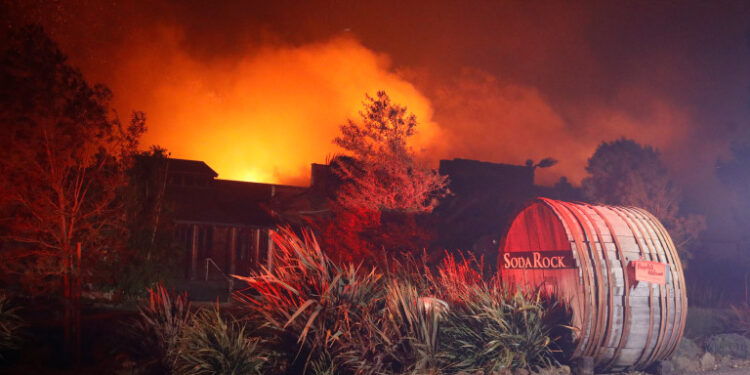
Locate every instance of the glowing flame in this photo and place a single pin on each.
(267, 115)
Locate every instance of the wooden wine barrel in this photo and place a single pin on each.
(585, 255)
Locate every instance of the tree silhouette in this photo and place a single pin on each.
(623, 172)
(63, 154)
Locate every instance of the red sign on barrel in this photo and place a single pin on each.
(650, 272)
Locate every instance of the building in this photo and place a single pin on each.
(223, 225)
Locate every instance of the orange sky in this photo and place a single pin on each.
(262, 117)
(258, 89)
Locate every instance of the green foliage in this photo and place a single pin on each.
(159, 328)
(495, 329)
(413, 324)
(10, 327)
(215, 346)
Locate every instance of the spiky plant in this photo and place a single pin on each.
(457, 278)
(321, 309)
(494, 329)
(213, 345)
(157, 330)
(413, 324)
(10, 327)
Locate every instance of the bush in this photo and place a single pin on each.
(702, 322)
(157, 331)
(741, 321)
(212, 345)
(495, 329)
(348, 320)
(319, 308)
(10, 327)
(737, 346)
(412, 325)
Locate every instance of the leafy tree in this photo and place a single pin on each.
(63, 156)
(152, 252)
(623, 172)
(384, 173)
(384, 189)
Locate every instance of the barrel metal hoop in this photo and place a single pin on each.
(599, 322)
(625, 331)
(569, 225)
(610, 283)
(662, 301)
(671, 253)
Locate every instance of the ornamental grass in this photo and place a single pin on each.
(329, 318)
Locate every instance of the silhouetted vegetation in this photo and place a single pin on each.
(623, 172)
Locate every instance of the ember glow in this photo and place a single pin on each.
(267, 115)
(258, 89)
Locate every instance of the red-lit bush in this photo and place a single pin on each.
(158, 329)
(342, 319)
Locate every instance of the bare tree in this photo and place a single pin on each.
(63, 155)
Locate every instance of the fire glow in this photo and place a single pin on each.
(266, 116)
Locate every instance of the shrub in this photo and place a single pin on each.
(213, 345)
(343, 319)
(496, 329)
(10, 327)
(741, 321)
(737, 346)
(413, 324)
(702, 322)
(490, 327)
(157, 331)
(317, 307)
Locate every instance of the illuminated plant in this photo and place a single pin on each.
(335, 319)
(496, 329)
(489, 326)
(383, 172)
(415, 324)
(213, 345)
(158, 329)
(319, 308)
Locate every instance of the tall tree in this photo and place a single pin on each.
(384, 188)
(63, 156)
(383, 173)
(623, 172)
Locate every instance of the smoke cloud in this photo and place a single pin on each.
(265, 115)
(258, 89)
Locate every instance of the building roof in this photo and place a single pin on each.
(191, 167)
(221, 202)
